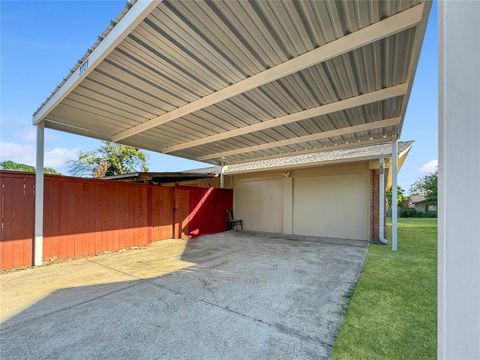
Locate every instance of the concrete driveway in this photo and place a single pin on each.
(229, 295)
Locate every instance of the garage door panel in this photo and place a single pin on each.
(332, 206)
(260, 205)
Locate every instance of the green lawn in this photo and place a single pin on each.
(392, 312)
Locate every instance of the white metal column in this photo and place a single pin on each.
(459, 180)
(394, 194)
(222, 179)
(381, 202)
(287, 203)
(38, 241)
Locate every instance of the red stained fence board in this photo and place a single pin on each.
(181, 213)
(89, 216)
(17, 215)
(162, 212)
(207, 210)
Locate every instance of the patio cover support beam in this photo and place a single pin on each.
(414, 57)
(39, 180)
(352, 102)
(369, 34)
(302, 139)
(394, 193)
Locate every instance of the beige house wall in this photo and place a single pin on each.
(328, 200)
(332, 201)
(259, 203)
(424, 207)
(332, 206)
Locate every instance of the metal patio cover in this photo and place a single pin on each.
(235, 81)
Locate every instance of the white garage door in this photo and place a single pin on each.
(260, 205)
(332, 206)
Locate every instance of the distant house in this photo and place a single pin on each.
(420, 204)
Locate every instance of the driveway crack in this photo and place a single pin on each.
(139, 278)
(280, 327)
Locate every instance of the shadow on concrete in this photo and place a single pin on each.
(229, 295)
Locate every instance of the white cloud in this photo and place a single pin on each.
(429, 167)
(28, 134)
(22, 153)
(25, 153)
(57, 157)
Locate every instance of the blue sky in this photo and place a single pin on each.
(42, 40)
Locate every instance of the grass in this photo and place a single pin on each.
(392, 313)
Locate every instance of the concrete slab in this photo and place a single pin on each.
(230, 295)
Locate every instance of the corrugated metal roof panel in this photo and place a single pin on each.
(184, 51)
(356, 116)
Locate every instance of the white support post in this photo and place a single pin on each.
(287, 203)
(381, 202)
(458, 180)
(394, 193)
(38, 240)
(222, 180)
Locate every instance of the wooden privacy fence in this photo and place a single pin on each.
(90, 216)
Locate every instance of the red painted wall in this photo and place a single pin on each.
(89, 216)
(208, 210)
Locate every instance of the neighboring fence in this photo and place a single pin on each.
(90, 216)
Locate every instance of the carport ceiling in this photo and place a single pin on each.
(233, 81)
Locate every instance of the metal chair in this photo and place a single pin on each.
(233, 222)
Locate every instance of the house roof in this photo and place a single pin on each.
(415, 199)
(206, 170)
(235, 82)
(162, 177)
(355, 154)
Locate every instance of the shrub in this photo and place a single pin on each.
(412, 213)
(408, 213)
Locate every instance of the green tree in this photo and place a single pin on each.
(402, 200)
(427, 187)
(110, 159)
(12, 165)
